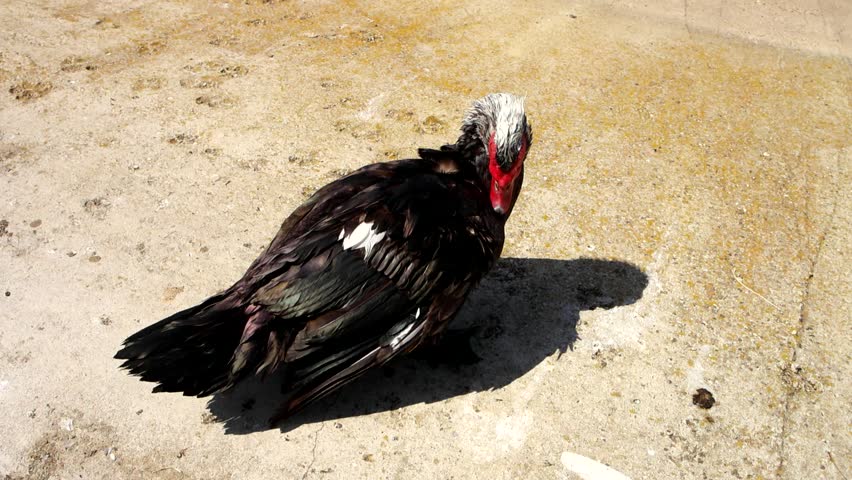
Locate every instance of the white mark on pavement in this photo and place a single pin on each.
(511, 432)
(588, 469)
(372, 108)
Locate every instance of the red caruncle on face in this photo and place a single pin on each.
(503, 182)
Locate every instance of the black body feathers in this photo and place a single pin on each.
(372, 266)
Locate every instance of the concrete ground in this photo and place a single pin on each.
(685, 224)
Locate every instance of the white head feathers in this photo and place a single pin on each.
(501, 114)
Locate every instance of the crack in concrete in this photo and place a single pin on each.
(686, 18)
(839, 470)
(803, 320)
(313, 452)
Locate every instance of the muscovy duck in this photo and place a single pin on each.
(372, 266)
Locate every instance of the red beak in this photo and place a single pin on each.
(501, 196)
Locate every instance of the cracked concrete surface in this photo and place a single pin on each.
(811, 434)
(684, 224)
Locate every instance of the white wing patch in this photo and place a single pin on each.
(399, 337)
(364, 236)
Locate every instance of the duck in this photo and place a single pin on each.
(373, 266)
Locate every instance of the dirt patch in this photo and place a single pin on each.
(205, 81)
(27, 90)
(152, 47)
(215, 101)
(106, 23)
(211, 74)
(148, 83)
(432, 124)
(182, 138)
(75, 64)
(43, 461)
(11, 156)
(97, 207)
(254, 164)
(217, 68)
(171, 293)
(75, 447)
(17, 357)
(303, 158)
(795, 380)
(70, 446)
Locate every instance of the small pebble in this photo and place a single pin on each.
(703, 398)
(67, 424)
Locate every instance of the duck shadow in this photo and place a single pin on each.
(524, 310)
